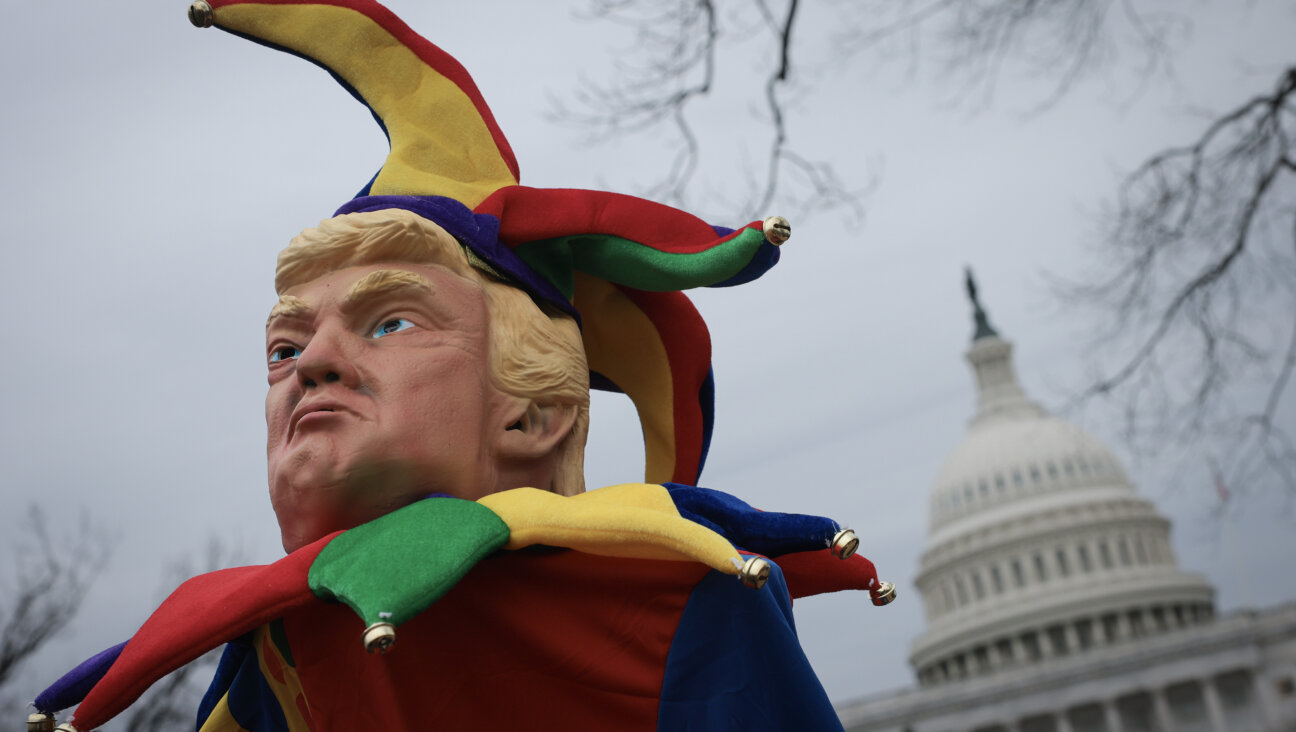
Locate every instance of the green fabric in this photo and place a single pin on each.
(280, 638)
(636, 265)
(394, 567)
(551, 259)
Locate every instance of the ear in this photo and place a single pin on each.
(536, 431)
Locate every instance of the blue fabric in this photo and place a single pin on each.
(763, 532)
(765, 257)
(603, 383)
(736, 664)
(231, 661)
(73, 686)
(251, 701)
(706, 397)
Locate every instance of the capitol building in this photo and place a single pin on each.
(1053, 599)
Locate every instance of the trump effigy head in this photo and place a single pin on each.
(439, 334)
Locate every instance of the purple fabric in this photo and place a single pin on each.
(478, 232)
(75, 684)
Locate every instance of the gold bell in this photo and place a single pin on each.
(379, 637)
(776, 229)
(883, 594)
(40, 722)
(844, 544)
(200, 14)
(755, 572)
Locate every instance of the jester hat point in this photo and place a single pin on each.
(614, 262)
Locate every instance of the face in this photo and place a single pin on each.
(379, 395)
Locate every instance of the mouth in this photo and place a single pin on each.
(307, 414)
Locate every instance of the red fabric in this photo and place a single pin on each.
(531, 214)
(201, 614)
(688, 347)
(817, 572)
(430, 54)
(592, 655)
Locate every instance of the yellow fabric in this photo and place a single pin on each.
(287, 691)
(440, 145)
(633, 520)
(220, 720)
(622, 344)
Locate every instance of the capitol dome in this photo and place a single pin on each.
(1039, 546)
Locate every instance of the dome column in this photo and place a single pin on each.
(1072, 637)
(1099, 633)
(1161, 709)
(1112, 715)
(1123, 630)
(1214, 708)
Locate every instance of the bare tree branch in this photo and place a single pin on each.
(1060, 42)
(48, 584)
(680, 52)
(1186, 262)
(1189, 273)
(172, 703)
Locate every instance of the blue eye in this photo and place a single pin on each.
(387, 327)
(284, 353)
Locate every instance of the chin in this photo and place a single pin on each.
(304, 512)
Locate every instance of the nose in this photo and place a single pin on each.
(326, 359)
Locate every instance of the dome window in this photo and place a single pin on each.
(1136, 623)
(1057, 640)
(1017, 478)
(1140, 552)
(1084, 634)
(999, 482)
(1082, 552)
(1082, 464)
(1019, 577)
(996, 578)
(1063, 569)
(1068, 467)
(1030, 642)
(1104, 552)
(983, 488)
(1035, 473)
(1003, 647)
(1041, 572)
(1052, 470)
(978, 587)
(1122, 548)
(1110, 628)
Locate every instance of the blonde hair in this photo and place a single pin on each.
(533, 355)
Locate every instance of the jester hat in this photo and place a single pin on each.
(614, 262)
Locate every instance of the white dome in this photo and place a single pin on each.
(1005, 460)
(1038, 544)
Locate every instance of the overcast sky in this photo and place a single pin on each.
(151, 172)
